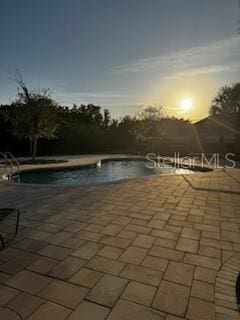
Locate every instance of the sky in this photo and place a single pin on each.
(121, 55)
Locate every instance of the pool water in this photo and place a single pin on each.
(109, 171)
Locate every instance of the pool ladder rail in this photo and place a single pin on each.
(11, 166)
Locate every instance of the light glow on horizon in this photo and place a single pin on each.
(186, 104)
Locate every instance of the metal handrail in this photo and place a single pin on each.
(13, 159)
(7, 162)
(15, 162)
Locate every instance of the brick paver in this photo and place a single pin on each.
(107, 291)
(172, 298)
(139, 293)
(63, 293)
(88, 310)
(50, 311)
(28, 281)
(152, 248)
(25, 304)
(179, 272)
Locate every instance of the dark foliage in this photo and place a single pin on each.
(86, 129)
(89, 129)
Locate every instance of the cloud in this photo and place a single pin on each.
(201, 71)
(90, 95)
(216, 57)
(105, 98)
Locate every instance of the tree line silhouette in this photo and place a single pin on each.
(35, 124)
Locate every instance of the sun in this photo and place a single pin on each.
(186, 104)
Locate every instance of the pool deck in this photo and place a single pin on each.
(159, 247)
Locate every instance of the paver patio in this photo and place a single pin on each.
(149, 248)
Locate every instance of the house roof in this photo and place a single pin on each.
(226, 121)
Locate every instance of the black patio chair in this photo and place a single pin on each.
(4, 214)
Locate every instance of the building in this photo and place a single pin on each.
(217, 133)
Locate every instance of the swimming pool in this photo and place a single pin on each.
(106, 171)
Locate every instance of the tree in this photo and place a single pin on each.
(227, 104)
(151, 113)
(106, 118)
(149, 125)
(33, 115)
(227, 100)
(88, 113)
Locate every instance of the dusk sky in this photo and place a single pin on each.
(121, 54)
